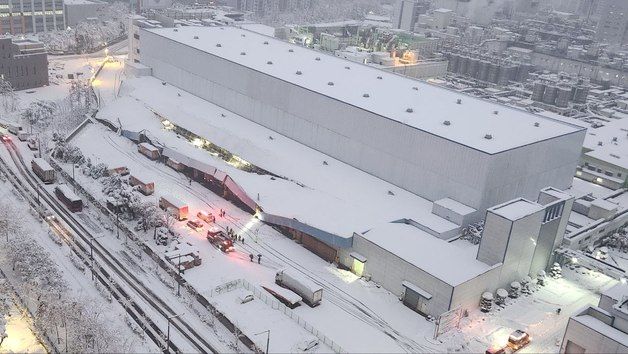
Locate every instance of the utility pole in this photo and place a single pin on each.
(179, 280)
(168, 335)
(267, 338)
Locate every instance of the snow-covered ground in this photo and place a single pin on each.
(358, 315)
(535, 314)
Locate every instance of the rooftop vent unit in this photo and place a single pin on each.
(488, 137)
(317, 58)
(537, 124)
(459, 101)
(409, 110)
(366, 95)
(242, 53)
(330, 83)
(299, 72)
(218, 45)
(379, 78)
(447, 122)
(266, 42)
(269, 62)
(195, 37)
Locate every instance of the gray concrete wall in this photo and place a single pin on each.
(415, 160)
(390, 271)
(22, 71)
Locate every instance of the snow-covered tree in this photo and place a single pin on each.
(9, 98)
(10, 222)
(515, 289)
(526, 283)
(541, 277)
(149, 216)
(486, 302)
(500, 296)
(68, 153)
(473, 232)
(556, 271)
(40, 113)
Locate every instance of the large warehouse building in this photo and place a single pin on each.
(430, 141)
(456, 159)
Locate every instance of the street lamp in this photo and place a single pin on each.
(168, 336)
(267, 338)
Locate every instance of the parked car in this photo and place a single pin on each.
(494, 350)
(195, 224)
(206, 216)
(518, 339)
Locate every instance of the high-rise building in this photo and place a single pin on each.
(263, 8)
(406, 14)
(613, 25)
(23, 16)
(23, 63)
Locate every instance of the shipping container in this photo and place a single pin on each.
(311, 293)
(14, 129)
(32, 144)
(43, 170)
(122, 171)
(148, 150)
(23, 136)
(145, 187)
(175, 165)
(285, 296)
(169, 203)
(69, 198)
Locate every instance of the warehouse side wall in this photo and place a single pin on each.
(392, 151)
(390, 271)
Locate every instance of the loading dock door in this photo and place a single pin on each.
(357, 266)
(416, 298)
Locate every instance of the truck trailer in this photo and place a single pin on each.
(310, 292)
(43, 170)
(169, 203)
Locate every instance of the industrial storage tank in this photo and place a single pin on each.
(483, 70)
(550, 94)
(474, 64)
(506, 73)
(453, 63)
(493, 73)
(580, 93)
(537, 91)
(563, 96)
(523, 72)
(464, 65)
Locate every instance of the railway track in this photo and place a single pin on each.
(113, 266)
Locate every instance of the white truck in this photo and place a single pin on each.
(310, 292)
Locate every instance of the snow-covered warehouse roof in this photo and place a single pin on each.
(450, 263)
(473, 122)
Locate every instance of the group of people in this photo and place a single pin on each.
(259, 258)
